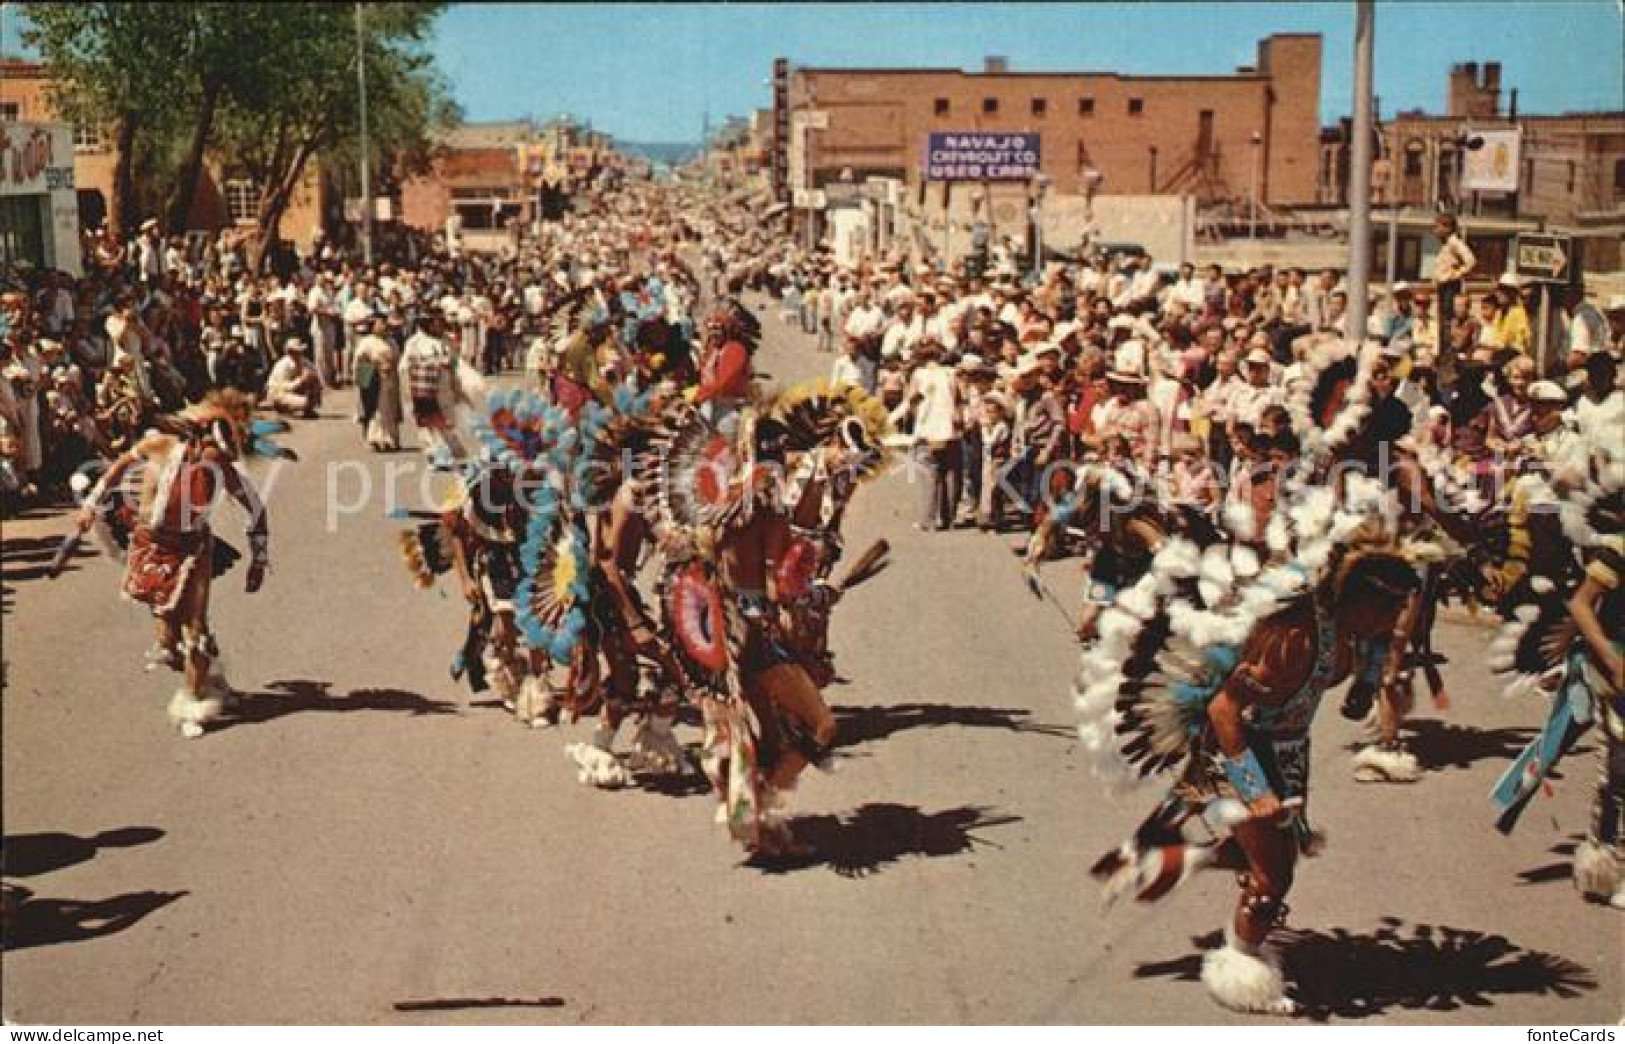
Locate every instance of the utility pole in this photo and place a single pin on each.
(1252, 191)
(1360, 172)
(366, 159)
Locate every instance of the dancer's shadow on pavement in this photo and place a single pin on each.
(859, 725)
(27, 920)
(29, 855)
(29, 558)
(1339, 974)
(1442, 744)
(282, 698)
(878, 835)
(30, 921)
(1561, 870)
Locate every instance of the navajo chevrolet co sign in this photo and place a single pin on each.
(975, 156)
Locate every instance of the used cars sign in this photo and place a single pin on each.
(975, 156)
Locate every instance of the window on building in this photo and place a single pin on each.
(242, 199)
(1619, 176)
(10, 112)
(87, 136)
(942, 106)
(1136, 106)
(1413, 160)
(990, 105)
(1529, 174)
(1571, 178)
(1040, 106)
(1086, 106)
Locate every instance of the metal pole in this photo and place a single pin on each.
(1545, 329)
(1360, 172)
(1252, 195)
(366, 160)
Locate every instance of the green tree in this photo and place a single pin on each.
(301, 113)
(111, 65)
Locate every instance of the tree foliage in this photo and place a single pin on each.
(266, 88)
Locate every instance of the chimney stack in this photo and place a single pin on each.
(995, 63)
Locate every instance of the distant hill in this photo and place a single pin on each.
(667, 152)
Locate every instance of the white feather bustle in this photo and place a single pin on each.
(1240, 519)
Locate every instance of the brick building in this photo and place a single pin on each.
(225, 198)
(1196, 135)
(1571, 164)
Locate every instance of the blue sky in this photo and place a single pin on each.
(651, 71)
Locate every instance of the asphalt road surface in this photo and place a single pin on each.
(365, 844)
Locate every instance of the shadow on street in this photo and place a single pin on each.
(878, 835)
(859, 725)
(1341, 974)
(283, 698)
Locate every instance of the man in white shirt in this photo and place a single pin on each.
(324, 329)
(903, 332)
(294, 385)
(1189, 289)
(932, 400)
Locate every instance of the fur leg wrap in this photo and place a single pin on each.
(1377, 764)
(501, 675)
(655, 748)
(189, 712)
(597, 766)
(1246, 979)
(536, 704)
(1597, 872)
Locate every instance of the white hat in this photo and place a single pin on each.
(1046, 348)
(970, 362)
(148, 224)
(1120, 322)
(1510, 279)
(1258, 357)
(1028, 364)
(1615, 304)
(293, 344)
(1401, 288)
(1131, 358)
(1548, 391)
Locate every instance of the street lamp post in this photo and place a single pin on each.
(1360, 174)
(366, 163)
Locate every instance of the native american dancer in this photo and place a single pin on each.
(580, 599)
(744, 604)
(1122, 525)
(477, 535)
(171, 553)
(1352, 422)
(1217, 663)
(1569, 641)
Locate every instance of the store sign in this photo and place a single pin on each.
(975, 156)
(35, 158)
(1494, 166)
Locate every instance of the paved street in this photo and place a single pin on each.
(365, 844)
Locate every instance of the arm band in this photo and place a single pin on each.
(1246, 775)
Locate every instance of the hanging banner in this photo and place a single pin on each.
(977, 156)
(1495, 166)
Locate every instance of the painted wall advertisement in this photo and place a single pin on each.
(977, 156)
(36, 169)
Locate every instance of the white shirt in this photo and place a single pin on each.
(936, 415)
